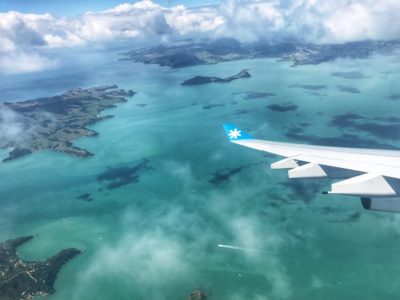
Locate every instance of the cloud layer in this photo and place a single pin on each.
(316, 21)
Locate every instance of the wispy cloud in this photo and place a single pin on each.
(250, 233)
(11, 127)
(25, 62)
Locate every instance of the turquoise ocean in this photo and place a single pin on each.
(160, 235)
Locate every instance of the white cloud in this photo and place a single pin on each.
(11, 126)
(262, 249)
(187, 21)
(125, 21)
(150, 261)
(24, 62)
(152, 258)
(316, 21)
(20, 34)
(363, 20)
(251, 21)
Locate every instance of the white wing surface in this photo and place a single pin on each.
(373, 175)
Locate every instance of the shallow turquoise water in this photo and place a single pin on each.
(158, 238)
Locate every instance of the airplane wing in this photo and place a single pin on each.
(373, 175)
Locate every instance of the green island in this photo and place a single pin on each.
(197, 80)
(53, 123)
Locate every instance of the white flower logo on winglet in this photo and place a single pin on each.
(234, 134)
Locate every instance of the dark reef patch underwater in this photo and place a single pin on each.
(387, 128)
(224, 175)
(343, 140)
(349, 75)
(250, 95)
(348, 89)
(311, 87)
(283, 107)
(116, 177)
(85, 197)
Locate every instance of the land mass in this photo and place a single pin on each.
(197, 80)
(22, 280)
(191, 53)
(53, 123)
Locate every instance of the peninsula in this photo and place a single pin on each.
(53, 123)
(22, 280)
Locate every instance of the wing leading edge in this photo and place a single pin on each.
(371, 174)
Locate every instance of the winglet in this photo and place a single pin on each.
(234, 133)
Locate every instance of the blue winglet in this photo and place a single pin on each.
(234, 133)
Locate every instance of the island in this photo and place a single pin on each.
(192, 53)
(53, 123)
(197, 80)
(20, 280)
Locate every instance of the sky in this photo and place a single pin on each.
(74, 8)
(28, 27)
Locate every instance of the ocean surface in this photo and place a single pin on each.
(174, 189)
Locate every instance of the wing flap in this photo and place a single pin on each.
(286, 163)
(364, 185)
(309, 170)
